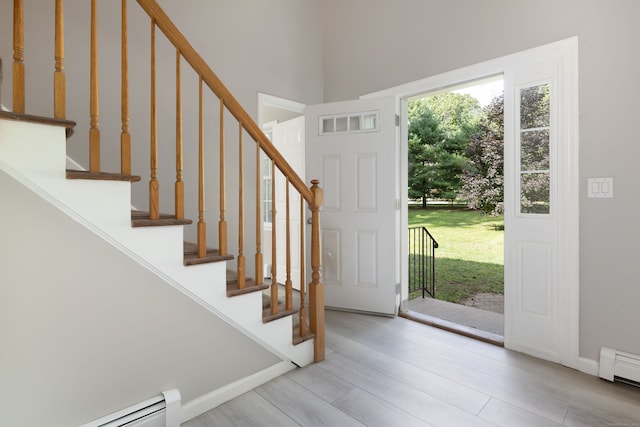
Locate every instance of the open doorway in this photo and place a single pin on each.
(541, 266)
(455, 206)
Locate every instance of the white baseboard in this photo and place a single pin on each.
(205, 403)
(588, 366)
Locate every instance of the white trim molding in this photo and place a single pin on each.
(205, 403)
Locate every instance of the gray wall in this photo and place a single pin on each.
(86, 331)
(371, 45)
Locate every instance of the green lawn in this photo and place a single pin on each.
(470, 256)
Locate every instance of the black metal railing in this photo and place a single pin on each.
(422, 274)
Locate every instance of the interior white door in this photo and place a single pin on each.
(289, 139)
(351, 149)
(535, 133)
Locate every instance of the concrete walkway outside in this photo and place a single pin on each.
(470, 316)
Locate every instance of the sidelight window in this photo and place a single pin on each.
(535, 142)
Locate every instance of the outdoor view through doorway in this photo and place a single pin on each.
(456, 198)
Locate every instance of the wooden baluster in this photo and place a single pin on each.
(241, 260)
(179, 186)
(94, 131)
(125, 136)
(59, 80)
(316, 288)
(288, 285)
(258, 263)
(274, 260)
(202, 226)
(222, 224)
(154, 185)
(303, 304)
(18, 57)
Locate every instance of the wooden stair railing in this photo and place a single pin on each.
(311, 314)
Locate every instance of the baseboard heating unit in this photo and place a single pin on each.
(160, 411)
(619, 366)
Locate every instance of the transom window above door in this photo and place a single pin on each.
(349, 123)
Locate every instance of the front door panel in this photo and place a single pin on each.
(351, 149)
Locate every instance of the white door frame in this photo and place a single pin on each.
(568, 250)
(266, 101)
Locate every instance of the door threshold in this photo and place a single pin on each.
(369, 313)
(455, 328)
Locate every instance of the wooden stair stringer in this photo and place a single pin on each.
(36, 157)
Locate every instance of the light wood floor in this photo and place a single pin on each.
(395, 372)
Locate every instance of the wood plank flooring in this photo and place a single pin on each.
(394, 372)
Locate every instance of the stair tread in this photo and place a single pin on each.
(191, 255)
(69, 125)
(298, 339)
(233, 289)
(268, 317)
(101, 176)
(141, 219)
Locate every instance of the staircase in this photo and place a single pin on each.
(35, 155)
(33, 151)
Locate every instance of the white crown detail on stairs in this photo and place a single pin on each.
(35, 155)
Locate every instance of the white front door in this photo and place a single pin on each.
(540, 208)
(288, 138)
(351, 149)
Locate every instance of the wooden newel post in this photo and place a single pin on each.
(316, 288)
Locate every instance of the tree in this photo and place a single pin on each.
(439, 131)
(424, 136)
(484, 176)
(459, 116)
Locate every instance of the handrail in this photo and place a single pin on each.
(209, 77)
(422, 248)
(435, 242)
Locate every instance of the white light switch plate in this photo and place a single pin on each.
(600, 187)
